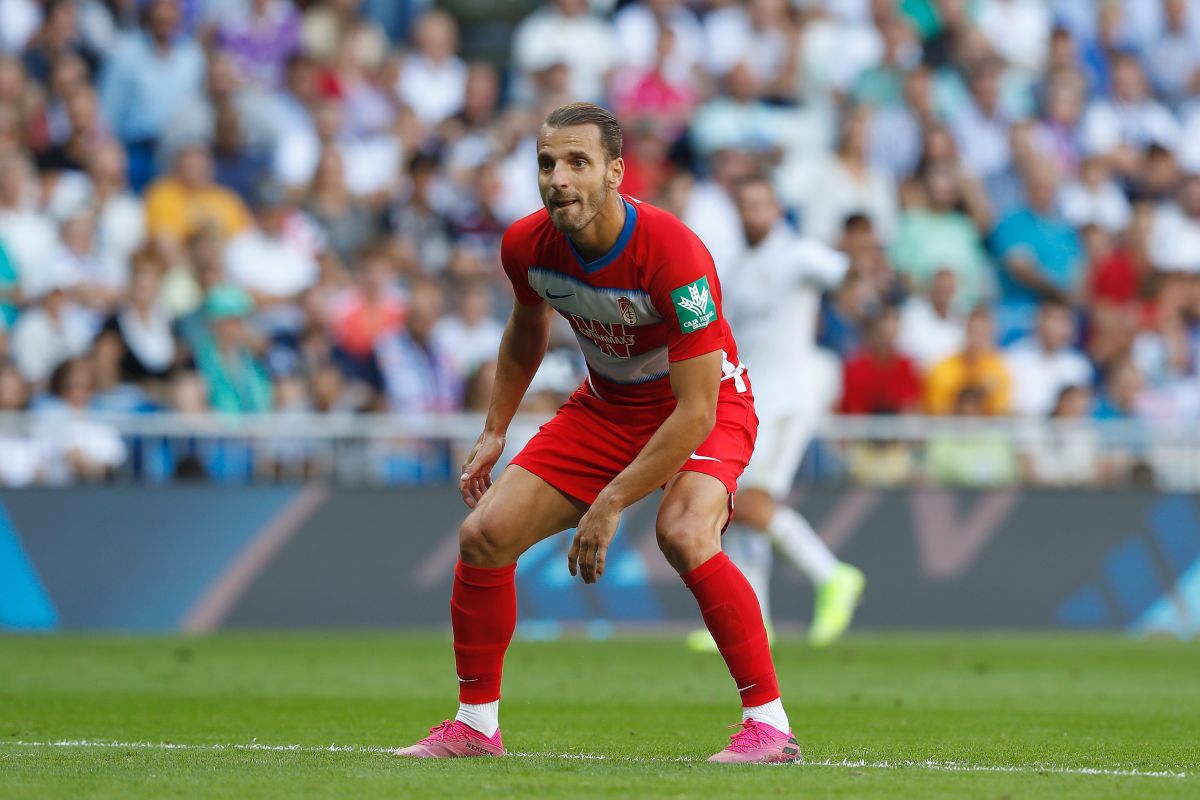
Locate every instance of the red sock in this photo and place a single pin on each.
(483, 612)
(733, 617)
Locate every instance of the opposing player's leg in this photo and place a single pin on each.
(838, 586)
(694, 510)
(518, 511)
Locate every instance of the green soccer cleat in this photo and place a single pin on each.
(836, 600)
(701, 641)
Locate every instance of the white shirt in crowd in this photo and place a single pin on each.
(370, 163)
(731, 40)
(1039, 376)
(1105, 205)
(637, 36)
(29, 238)
(584, 44)
(39, 343)
(1019, 30)
(468, 346)
(926, 335)
(833, 193)
(276, 266)
(771, 294)
(434, 91)
(1174, 240)
(120, 222)
(1108, 124)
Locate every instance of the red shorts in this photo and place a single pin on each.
(589, 441)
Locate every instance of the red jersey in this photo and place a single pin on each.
(652, 299)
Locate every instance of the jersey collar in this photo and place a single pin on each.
(618, 246)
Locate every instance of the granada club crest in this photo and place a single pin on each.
(627, 312)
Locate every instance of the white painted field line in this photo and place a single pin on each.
(930, 764)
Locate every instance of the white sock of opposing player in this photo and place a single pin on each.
(800, 544)
(772, 713)
(484, 717)
(750, 551)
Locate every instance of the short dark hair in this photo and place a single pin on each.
(590, 114)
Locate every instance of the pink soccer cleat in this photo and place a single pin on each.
(453, 739)
(759, 743)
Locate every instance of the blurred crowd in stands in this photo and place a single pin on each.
(254, 205)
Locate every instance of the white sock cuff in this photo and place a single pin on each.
(771, 713)
(483, 717)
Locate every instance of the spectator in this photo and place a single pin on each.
(411, 368)
(27, 234)
(971, 460)
(563, 34)
(87, 132)
(1045, 363)
(1173, 62)
(149, 76)
(1120, 129)
(1067, 457)
(1057, 134)
(75, 447)
(979, 367)
(328, 24)
(1040, 256)
(1019, 31)
(95, 284)
(981, 125)
(471, 335)
(49, 332)
(142, 325)
(260, 37)
(226, 90)
(276, 262)
(370, 162)
(188, 200)
(755, 35)
(880, 379)
(58, 35)
(1123, 392)
(660, 35)
(22, 456)
(417, 218)
(346, 223)
(237, 380)
(120, 216)
(1174, 239)
(846, 184)
(930, 327)
(1094, 199)
(935, 236)
(371, 309)
(433, 80)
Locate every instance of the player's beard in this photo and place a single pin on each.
(585, 210)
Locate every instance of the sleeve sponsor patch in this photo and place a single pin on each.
(694, 306)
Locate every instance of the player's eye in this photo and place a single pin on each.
(580, 163)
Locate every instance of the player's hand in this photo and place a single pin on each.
(593, 535)
(476, 477)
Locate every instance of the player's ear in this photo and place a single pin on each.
(616, 172)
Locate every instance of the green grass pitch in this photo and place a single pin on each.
(246, 716)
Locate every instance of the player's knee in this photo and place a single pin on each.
(478, 542)
(684, 534)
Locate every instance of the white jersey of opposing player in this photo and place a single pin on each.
(772, 298)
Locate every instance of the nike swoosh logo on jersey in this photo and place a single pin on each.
(703, 458)
(554, 296)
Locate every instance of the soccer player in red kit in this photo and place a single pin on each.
(666, 404)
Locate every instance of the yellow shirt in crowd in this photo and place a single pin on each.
(176, 212)
(948, 378)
